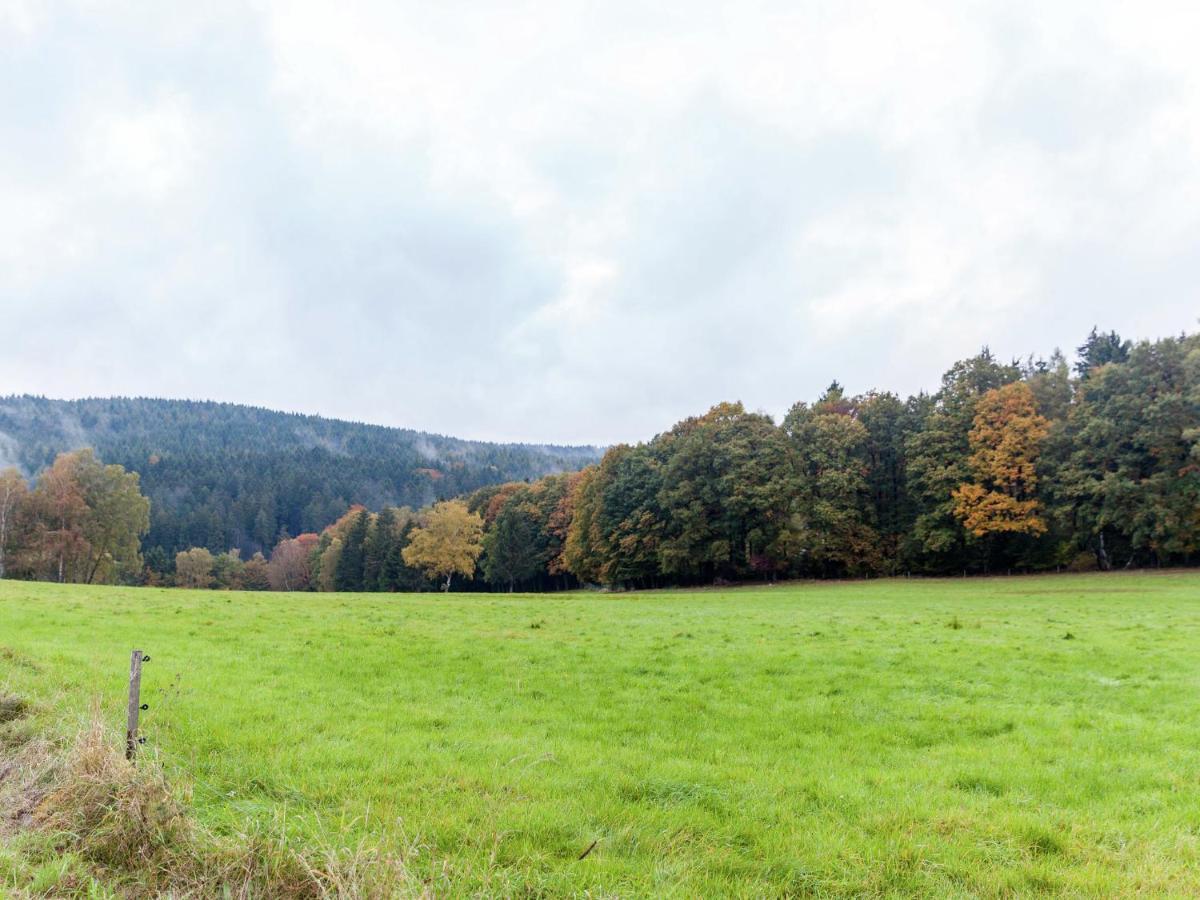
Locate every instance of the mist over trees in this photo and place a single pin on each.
(1008, 467)
(219, 475)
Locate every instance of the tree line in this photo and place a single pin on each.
(220, 475)
(1008, 467)
(1018, 466)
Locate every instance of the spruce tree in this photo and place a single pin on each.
(380, 538)
(348, 576)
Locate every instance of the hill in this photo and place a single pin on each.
(220, 475)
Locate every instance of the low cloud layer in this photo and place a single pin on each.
(580, 222)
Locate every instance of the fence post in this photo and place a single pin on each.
(135, 704)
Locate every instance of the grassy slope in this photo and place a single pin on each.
(835, 738)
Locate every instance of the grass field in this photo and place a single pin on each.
(970, 737)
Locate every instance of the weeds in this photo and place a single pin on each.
(12, 708)
(83, 821)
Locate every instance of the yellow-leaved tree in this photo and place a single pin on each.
(447, 542)
(1006, 439)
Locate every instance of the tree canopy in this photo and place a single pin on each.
(1008, 466)
(447, 542)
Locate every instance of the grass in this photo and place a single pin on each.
(988, 737)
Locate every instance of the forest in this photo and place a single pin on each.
(1016, 466)
(220, 475)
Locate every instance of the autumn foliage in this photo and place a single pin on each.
(1008, 466)
(447, 542)
(1005, 442)
(82, 522)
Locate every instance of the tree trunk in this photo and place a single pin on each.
(96, 563)
(1102, 554)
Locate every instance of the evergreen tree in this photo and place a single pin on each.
(888, 421)
(380, 538)
(1099, 350)
(351, 562)
(396, 574)
(513, 547)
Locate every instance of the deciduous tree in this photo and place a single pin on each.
(256, 574)
(117, 516)
(938, 462)
(1131, 482)
(447, 543)
(193, 568)
(13, 493)
(728, 492)
(59, 508)
(228, 570)
(290, 568)
(834, 501)
(1005, 442)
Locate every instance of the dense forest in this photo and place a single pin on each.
(220, 475)
(1008, 467)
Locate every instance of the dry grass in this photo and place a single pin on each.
(78, 820)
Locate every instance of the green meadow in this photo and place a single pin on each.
(973, 737)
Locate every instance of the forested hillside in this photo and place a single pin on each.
(1010, 466)
(220, 475)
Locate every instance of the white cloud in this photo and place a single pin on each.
(579, 221)
(146, 153)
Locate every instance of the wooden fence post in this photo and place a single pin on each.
(135, 704)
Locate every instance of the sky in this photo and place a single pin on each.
(580, 222)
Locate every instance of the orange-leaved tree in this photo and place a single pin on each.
(1006, 439)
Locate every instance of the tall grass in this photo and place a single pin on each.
(84, 821)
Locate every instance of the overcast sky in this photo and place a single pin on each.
(572, 222)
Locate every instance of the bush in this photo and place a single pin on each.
(1084, 561)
